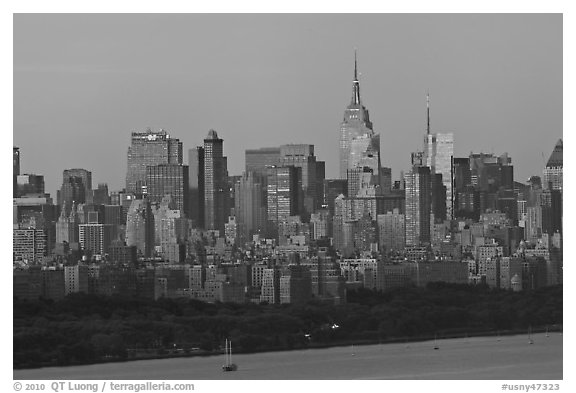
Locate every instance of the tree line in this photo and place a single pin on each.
(83, 329)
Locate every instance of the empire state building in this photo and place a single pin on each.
(356, 123)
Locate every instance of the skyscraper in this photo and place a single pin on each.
(250, 207)
(438, 156)
(15, 169)
(147, 149)
(196, 184)
(140, 227)
(95, 237)
(73, 190)
(83, 174)
(552, 178)
(215, 183)
(302, 156)
(356, 123)
(418, 204)
(283, 193)
(30, 184)
(257, 160)
(168, 179)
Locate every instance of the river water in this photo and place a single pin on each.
(483, 358)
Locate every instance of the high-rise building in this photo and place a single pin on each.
(333, 188)
(418, 206)
(283, 193)
(216, 191)
(29, 244)
(168, 179)
(140, 226)
(30, 185)
(270, 286)
(295, 285)
(72, 191)
(67, 225)
(249, 206)
(149, 148)
(391, 231)
(356, 123)
(196, 184)
(552, 178)
(95, 238)
(83, 174)
(15, 169)
(100, 195)
(257, 160)
(302, 156)
(438, 156)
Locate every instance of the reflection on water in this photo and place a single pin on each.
(506, 357)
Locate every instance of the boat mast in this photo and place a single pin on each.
(230, 349)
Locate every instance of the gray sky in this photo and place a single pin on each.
(83, 82)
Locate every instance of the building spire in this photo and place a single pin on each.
(427, 112)
(355, 67)
(356, 84)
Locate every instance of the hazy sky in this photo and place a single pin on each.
(83, 82)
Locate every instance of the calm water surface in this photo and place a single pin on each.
(481, 358)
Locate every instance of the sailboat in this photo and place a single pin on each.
(435, 343)
(547, 335)
(530, 341)
(228, 365)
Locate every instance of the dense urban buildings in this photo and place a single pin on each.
(280, 232)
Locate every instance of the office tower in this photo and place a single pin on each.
(257, 160)
(72, 191)
(171, 233)
(552, 178)
(551, 204)
(386, 180)
(149, 148)
(215, 183)
(100, 195)
(333, 188)
(29, 185)
(462, 182)
(15, 169)
(114, 215)
(283, 193)
(95, 237)
(196, 184)
(320, 227)
(168, 179)
(320, 176)
(391, 231)
(438, 156)
(140, 227)
(249, 206)
(302, 156)
(356, 123)
(492, 177)
(438, 188)
(79, 176)
(418, 202)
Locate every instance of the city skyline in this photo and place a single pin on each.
(299, 86)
